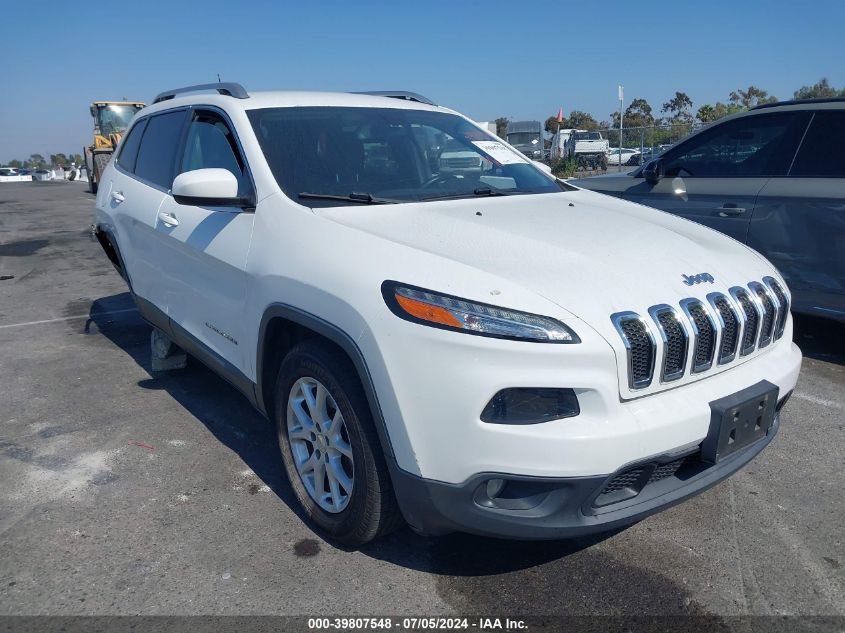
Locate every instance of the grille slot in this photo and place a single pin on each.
(767, 323)
(783, 305)
(704, 334)
(752, 320)
(730, 325)
(636, 479)
(675, 342)
(628, 479)
(666, 470)
(640, 347)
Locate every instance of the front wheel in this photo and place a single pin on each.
(329, 445)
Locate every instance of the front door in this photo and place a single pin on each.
(714, 178)
(203, 250)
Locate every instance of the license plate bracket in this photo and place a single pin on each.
(739, 420)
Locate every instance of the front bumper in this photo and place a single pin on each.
(555, 508)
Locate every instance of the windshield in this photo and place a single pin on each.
(114, 119)
(389, 154)
(524, 138)
(587, 136)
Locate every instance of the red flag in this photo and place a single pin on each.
(560, 116)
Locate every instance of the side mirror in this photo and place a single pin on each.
(543, 166)
(653, 171)
(207, 187)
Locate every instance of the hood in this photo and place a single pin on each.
(591, 254)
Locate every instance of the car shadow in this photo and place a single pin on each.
(223, 410)
(819, 338)
(238, 426)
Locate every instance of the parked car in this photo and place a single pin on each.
(493, 352)
(42, 174)
(9, 171)
(627, 157)
(772, 178)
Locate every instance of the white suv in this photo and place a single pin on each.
(491, 351)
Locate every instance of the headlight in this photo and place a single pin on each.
(452, 313)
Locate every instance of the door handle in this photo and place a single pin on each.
(168, 219)
(117, 196)
(730, 209)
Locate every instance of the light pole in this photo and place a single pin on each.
(621, 111)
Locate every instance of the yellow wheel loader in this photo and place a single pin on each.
(111, 118)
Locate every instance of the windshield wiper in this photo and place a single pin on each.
(481, 191)
(362, 198)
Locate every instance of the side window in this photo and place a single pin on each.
(210, 143)
(157, 154)
(754, 145)
(822, 151)
(129, 146)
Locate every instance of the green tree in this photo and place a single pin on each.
(818, 90)
(36, 161)
(57, 160)
(679, 107)
(15, 163)
(576, 120)
(637, 114)
(751, 97)
(709, 113)
(552, 125)
(502, 126)
(579, 120)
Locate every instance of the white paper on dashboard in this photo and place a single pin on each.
(499, 152)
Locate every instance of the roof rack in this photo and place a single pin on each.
(800, 102)
(229, 89)
(398, 94)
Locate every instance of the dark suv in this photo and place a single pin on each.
(772, 178)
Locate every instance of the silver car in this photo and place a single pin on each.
(773, 178)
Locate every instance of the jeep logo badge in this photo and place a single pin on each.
(700, 278)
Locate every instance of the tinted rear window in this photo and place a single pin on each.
(822, 152)
(157, 154)
(129, 146)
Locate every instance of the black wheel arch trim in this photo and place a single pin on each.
(112, 240)
(342, 340)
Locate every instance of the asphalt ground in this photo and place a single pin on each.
(128, 492)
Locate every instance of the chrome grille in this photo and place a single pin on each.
(639, 344)
(675, 342)
(782, 305)
(751, 317)
(720, 329)
(704, 334)
(768, 313)
(729, 324)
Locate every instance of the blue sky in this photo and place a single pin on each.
(523, 60)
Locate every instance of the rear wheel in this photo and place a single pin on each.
(329, 445)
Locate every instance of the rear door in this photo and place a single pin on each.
(202, 251)
(714, 177)
(799, 221)
(140, 179)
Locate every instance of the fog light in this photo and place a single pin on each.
(525, 405)
(494, 487)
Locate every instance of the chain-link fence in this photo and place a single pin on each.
(646, 141)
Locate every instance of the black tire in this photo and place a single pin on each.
(372, 510)
(100, 161)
